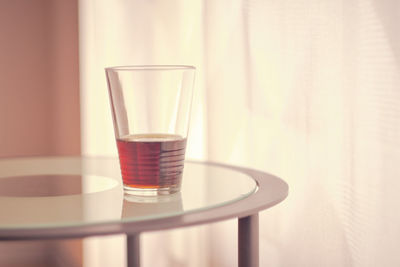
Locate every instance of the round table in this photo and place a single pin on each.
(76, 197)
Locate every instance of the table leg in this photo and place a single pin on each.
(133, 250)
(248, 241)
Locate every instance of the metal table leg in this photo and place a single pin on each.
(133, 250)
(248, 241)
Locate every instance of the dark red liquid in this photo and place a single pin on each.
(151, 160)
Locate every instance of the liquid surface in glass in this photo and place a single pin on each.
(151, 160)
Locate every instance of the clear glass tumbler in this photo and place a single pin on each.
(151, 110)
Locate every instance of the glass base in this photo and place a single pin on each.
(175, 197)
(151, 192)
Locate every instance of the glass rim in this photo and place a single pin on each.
(150, 67)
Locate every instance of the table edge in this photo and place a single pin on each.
(238, 209)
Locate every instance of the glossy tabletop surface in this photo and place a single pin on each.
(70, 196)
(38, 192)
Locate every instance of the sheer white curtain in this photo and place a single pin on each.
(305, 89)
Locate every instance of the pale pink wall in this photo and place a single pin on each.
(39, 94)
(64, 64)
(39, 102)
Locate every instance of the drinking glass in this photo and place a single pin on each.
(151, 112)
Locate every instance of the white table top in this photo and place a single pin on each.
(51, 197)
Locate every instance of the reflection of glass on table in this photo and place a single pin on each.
(149, 205)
